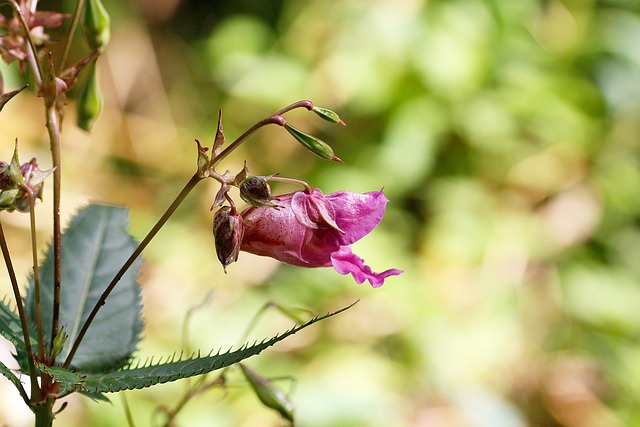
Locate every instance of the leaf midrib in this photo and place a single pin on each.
(88, 279)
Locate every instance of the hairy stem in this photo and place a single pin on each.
(195, 179)
(35, 391)
(53, 129)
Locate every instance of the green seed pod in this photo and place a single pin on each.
(89, 102)
(270, 395)
(328, 115)
(313, 144)
(95, 24)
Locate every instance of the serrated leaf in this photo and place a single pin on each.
(147, 376)
(68, 380)
(10, 326)
(11, 376)
(93, 248)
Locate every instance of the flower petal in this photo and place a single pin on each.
(278, 234)
(314, 210)
(357, 214)
(345, 261)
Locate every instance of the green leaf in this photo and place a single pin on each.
(10, 326)
(68, 380)
(11, 376)
(152, 374)
(93, 249)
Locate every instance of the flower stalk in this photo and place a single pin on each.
(190, 185)
(33, 376)
(36, 273)
(53, 129)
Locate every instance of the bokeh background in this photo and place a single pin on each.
(506, 135)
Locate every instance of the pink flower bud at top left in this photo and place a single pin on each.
(227, 233)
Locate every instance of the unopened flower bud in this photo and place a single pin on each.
(270, 395)
(227, 233)
(313, 144)
(21, 202)
(297, 314)
(59, 341)
(89, 103)
(328, 115)
(95, 24)
(9, 176)
(255, 190)
(8, 198)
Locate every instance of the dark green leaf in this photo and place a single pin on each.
(68, 380)
(94, 247)
(147, 376)
(10, 326)
(12, 377)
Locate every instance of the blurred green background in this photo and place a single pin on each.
(506, 135)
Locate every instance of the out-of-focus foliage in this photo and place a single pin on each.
(506, 134)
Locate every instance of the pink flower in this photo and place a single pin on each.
(315, 230)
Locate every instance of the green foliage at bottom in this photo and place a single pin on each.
(152, 374)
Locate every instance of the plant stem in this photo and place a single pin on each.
(35, 391)
(300, 104)
(31, 55)
(53, 129)
(201, 387)
(195, 179)
(275, 118)
(72, 29)
(307, 187)
(36, 273)
(44, 413)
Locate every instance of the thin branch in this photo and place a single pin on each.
(36, 272)
(31, 54)
(195, 179)
(69, 38)
(33, 376)
(275, 118)
(53, 129)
